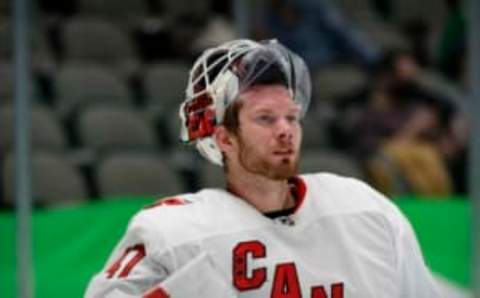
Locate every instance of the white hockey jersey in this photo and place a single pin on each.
(344, 240)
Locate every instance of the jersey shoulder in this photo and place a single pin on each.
(179, 219)
(336, 194)
(163, 211)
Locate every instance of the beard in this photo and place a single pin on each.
(253, 162)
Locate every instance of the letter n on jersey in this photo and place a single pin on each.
(285, 282)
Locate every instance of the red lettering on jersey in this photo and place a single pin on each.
(139, 255)
(285, 282)
(241, 279)
(157, 292)
(166, 202)
(319, 292)
(336, 291)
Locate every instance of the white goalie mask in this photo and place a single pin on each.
(222, 73)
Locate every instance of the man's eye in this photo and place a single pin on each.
(265, 119)
(293, 118)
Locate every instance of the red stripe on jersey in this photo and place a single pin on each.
(157, 292)
(139, 255)
(299, 190)
(116, 266)
(173, 201)
(140, 248)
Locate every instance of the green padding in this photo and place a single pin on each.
(443, 230)
(70, 244)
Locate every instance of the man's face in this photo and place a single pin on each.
(269, 136)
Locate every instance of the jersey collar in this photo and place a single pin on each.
(298, 188)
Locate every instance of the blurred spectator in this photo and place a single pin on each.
(363, 128)
(411, 162)
(368, 118)
(454, 147)
(418, 33)
(317, 31)
(412, 133)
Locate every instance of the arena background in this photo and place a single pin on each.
(89, 127)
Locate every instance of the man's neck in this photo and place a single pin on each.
(265, 194)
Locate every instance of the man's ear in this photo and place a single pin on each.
(223, 138)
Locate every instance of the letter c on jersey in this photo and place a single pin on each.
(242, 280)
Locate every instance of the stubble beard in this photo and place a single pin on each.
(285, 169)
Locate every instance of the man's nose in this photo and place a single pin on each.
(284, 130)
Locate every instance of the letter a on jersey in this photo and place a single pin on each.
(285, 282)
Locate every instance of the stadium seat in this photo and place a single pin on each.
(357, 9)
(46, 131)
(98, 41)
(130, 174)
(125, 12)
(362, 14)
(431, 12)
(314, 132)
(176, 8)
(115, 128)
(172, 123)
(165, 84)
(54, 180)
(337, 81)
(330, 161)
(77, 86)
(211, 176)
(40, 51)
(386, 35)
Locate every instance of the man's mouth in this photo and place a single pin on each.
(283, 152)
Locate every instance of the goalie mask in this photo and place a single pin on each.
(222, 73)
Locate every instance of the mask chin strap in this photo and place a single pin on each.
(208, 148)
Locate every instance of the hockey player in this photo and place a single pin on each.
(271, 232)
